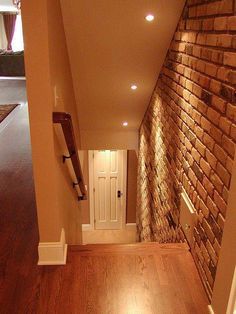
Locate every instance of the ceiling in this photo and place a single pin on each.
(111, 46)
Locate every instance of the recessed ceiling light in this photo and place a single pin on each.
(133, 87)
(149, 17)
(125, 123)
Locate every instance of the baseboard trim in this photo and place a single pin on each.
(210, 309)
(53, 253)
(130, 225)
(87, 227)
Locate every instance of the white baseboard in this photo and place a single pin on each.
(130, 225)
(210, 309)
(87, 227)
(53, 253)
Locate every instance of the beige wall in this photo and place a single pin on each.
(47, 69)
(109, 140)
(227, 261)
(131, 186)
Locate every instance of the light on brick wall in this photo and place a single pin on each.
(125, 123)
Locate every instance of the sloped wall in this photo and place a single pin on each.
(187, 137)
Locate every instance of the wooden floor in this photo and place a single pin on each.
(114, 279)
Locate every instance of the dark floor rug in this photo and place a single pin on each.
(5, 110)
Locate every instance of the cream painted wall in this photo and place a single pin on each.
(3, 40)
(50, 88)
(227, 261)
(109, 140)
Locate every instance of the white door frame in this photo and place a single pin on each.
(91, 189)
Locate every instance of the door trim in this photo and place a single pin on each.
(91, 189)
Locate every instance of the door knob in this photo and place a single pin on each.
(119, 194)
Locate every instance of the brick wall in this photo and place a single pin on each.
(188, 133)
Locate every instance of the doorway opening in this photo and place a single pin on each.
(109, 216)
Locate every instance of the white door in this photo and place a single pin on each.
(109, 188)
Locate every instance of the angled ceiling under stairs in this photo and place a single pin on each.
(112, 47)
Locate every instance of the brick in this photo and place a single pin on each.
(211, 69)
(228, 145)
(220, 154)
(224, 40)
(211, 159)
(223, 174)
(205, 167)
(220, 203)
(197, 170)
(221, 23)
(212, 206)
(213, 116)
(215, 227)
(225, 194)
(232, 23)
(216, 246)
(225, 7)
(205, 124)
(208, 186)
(231, 77)
(225, 125)
(222, 73)
(211, 252)
(215, 86)
(196, 155)
(216, 133)
(216, 181)
(221, 221)
(218, 103)
(233, 132)
(204, 209)
(230, 59)
(202, 107)
(201, 190)
(231, 112)
(211, 39)
(209, 233)
(227, 92)
(208, 141)
(207, 54)
(217, 56)
(200, 147)
(206, 97)
(192, 177)
(229, 164)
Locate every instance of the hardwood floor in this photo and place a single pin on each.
(101, 279)
(123, 279)
(18, 221)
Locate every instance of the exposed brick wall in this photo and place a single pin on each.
(188, 135)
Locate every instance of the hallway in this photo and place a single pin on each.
(135, 278)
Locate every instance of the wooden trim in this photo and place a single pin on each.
(91, 188)
(65, 120)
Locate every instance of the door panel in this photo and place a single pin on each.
(108, 174)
